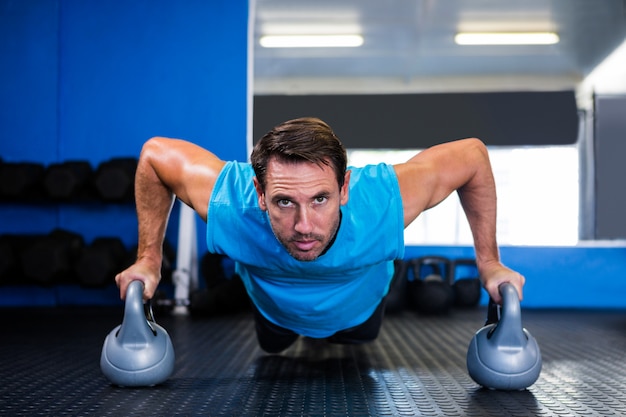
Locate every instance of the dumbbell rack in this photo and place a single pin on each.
(90, 188)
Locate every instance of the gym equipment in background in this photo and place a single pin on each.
(9, 265)
(138, 352)
(70, 180)
(49, 259)
(503, 355)
(185, 275)
(467, 289)
(98, 263)
(430, 291)
(21, 181)
(114, 179)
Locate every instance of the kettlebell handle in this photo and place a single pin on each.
(510, 298)
(493, 312)
(137, 294)
(134, 299)
(508, 330)
(138, 318)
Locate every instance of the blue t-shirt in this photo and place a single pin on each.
(338, 290)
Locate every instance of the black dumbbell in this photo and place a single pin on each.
(430, 291)
(49, 259)
(396, 299)
(69, 180)
(9, 265)
(467, 289)
(99, 262)
(115, 179)
(21, 181)
(11, 248)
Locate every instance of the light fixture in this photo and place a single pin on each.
(506, 38)
(311, 41)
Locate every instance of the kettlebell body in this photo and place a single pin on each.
(503, 355)
(430, 291)
(138, 352)
(467, 289)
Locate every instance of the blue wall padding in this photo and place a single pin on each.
(558, 277)
(132, 70)
(29, 57)
(94, 80)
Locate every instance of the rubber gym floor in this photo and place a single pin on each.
(49, 365)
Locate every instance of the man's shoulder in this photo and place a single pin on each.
(234, 183)
(234, 171)
(373, 173)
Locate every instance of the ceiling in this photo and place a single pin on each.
(409, 46)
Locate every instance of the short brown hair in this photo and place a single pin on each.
(304, 139)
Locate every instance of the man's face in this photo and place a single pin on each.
(302, 200)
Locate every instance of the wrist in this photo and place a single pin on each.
(152, 261)
(485, 267)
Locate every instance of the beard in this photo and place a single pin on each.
(325, 242)
(310, 255)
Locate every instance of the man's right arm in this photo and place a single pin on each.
(167, 169)
(462, 166)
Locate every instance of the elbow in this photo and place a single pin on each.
(478, 148)
(477, 143)
(153, 152)
(152, 147)
(153, 143)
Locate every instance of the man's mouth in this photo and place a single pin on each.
(305, 245)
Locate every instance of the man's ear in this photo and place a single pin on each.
(344, 188)
(260, 194)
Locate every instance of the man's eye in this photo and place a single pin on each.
(284, 203)
(320, 200)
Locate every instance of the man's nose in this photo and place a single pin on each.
(303, 221)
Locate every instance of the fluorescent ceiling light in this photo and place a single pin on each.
(506, 38)
(311, 41)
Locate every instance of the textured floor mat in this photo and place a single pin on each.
(49, 365)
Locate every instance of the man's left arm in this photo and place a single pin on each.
(463, 166)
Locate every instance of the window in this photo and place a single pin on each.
(538, 198)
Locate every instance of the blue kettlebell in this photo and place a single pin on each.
(138, 352)
(503, 355)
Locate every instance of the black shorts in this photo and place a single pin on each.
(274, 339)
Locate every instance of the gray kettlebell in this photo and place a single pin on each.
(503, 355)
(138, 352)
